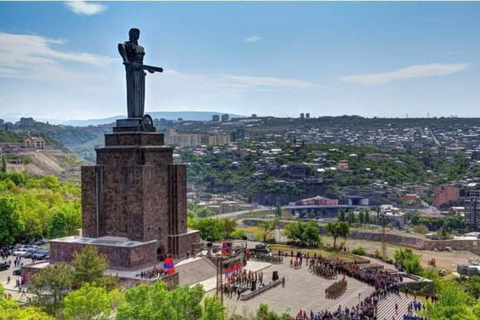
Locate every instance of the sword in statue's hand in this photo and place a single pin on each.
(146, 67)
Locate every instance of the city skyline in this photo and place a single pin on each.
(368, 59)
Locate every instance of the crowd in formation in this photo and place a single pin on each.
(322, 269)
(268, 258)
(385, 284)
(336, 289)
(242, 281)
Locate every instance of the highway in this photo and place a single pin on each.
(239, 213)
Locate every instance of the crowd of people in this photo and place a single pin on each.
(154, 273)
(242, 281)
(336, 289)
(268, 258)
(323, 269)
(384, 283)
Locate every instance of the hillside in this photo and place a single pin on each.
(61, 164)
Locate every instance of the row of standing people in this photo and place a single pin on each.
(384, 283)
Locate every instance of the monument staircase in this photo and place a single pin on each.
(386, 307)
(195, 270)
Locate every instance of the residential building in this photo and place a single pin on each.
(172, 137)
(317, 201)
(445, 195)
(218, 139)
(37, 143)
(411, 197)
(472, 210)
(343, 165)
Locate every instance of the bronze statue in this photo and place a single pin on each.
(132, 54)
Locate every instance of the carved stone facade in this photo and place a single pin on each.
(134, 203)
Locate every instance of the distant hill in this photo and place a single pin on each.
(169, 115)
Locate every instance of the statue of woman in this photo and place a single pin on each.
(132, 54)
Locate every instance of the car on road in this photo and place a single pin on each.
(4, 266)
(17, 272)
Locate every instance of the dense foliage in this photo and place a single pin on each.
(34, 207)
(338, 229)
(305, 233)
(409, 261)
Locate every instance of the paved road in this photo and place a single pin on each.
(434, 138)
(11, 288)
(239, 213)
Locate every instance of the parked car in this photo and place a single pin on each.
(20, 252)
(41, 255)
(30, 252)
(4, 266)
(17, 272)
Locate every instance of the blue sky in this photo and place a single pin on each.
(60, 60)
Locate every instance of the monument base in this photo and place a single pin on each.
(121, 253)
(130, 125)
(181, 244)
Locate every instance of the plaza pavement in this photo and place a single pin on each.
(303, 290)
(11, 288)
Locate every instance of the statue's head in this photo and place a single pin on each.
(134, 34)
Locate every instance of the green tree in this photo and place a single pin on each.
(152, 302)
(204, 212)
(367, 216)
(50, 287)
(338, 229)
(9, 220)
(267, 228)
(360, 216)
(91, 302)
(453, 303)
(209, 227)
(409, 260)
(264, 313)
(229, 226)
(473, 287)
(12, 310)
(238, 234)
(341, 216)
(214, 310)
(89, 265)
(66, 220)
(278, 210)
(306, 233)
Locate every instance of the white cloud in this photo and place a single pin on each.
(85, 8)
(23, 55)
(36, 71)
(252, 82)
(416, 71)
(253, 39)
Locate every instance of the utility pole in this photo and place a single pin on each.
(219, 291)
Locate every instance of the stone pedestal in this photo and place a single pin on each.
(134, 202)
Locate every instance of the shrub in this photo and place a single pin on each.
(360, 251)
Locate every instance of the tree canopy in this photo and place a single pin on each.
(338, 229)
(306, 233)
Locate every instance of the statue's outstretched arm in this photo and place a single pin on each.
(123, 52)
